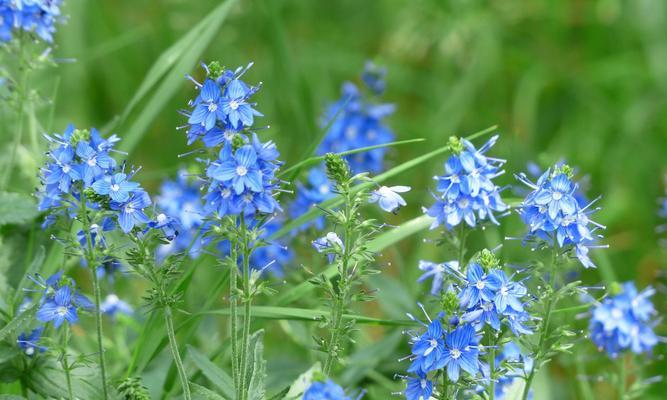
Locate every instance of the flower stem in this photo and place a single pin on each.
(443, 388)
(340, 300)
(169, 322)
(492, 367)
(544, 329)
(65, 363)
(247, 300)
(91, 259)
(621, 378)
(233, 277)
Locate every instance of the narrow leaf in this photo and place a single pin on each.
(212, 372)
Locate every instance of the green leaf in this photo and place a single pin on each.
(316, 160)
(367, 358)
(8, 351)
(17, 208)
(335, 201)
(303, 382)
(200, 392)
(169, 70)
(17, 321)
(257, 366)
(212, 372)
(48, 380)
(304, 314)
(11, 397)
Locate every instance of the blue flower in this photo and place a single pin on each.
(208, 109)
(557, 215)
(29, 343)
(461, 352)
(437, 272)
(517, 322)
(93, 163)
(131, 212)
(116, 186)
(240, 169)
(466, 191)
(484, 313)
(325, 391)
(168, 225)
(508, 294)
(419, 388)
(234, 103)
(623, 322)
(478, 287)
(428, 349)
(112, 305)
(373, 76)
(59, 308)
(389, 198)
(63, 171)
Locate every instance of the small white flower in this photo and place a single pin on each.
(389, 198)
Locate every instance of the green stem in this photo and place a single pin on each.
(247, 300)
(462, 247)
(91, 259)
(173, 344)
(444, 388)
(65, 362)
(621, 378)
(492, 367)
(339, 305)
(544, 329)
(21, 94)
(233, 305)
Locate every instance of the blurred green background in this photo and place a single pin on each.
(579, 80)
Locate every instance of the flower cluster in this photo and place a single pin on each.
(556, 215)
(355, 122)
(466, 191)
(222, 109)
(242, 179)
(454, 350)
(624, 322)
(37, 16)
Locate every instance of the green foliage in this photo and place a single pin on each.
(17, 208)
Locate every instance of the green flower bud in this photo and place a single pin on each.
(615, 289)
(450, 303)
(487, 259)
(215, 70)
(455, 145)
(338, 169)
(79, 135)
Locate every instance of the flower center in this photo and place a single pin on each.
(433, 344)
(92, 162)
(351, 132)
(212, 107)
(480, 285)
(487, 307)
(557, 195)
(30, 350)
(229, 135)
(161, 218)
(423, 383)
(62, 310)
(504, 290)
(324, 189)
(129, 209)
(241, 170)
(115, 187)
(66, 168)
(455, 353)
(616, 313)
(234, 104)
(463, 203)
(225, 193)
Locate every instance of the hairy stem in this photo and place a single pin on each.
(173, 344)
(233, 287)
(247, 300)
(65, 363)
(339, 305)
(91, 259)
(544, 329)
